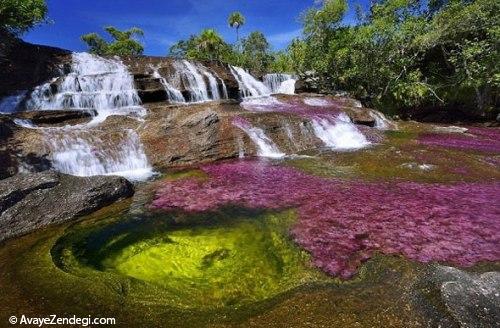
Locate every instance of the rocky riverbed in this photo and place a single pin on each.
(134, 189)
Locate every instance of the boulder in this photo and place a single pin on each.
(469, 299)
(24, 65)
(360, 116)
(8, 166)
(37, 200)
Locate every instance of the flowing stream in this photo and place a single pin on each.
(339, 133)
(265, 146)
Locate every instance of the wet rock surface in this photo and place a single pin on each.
(56, 117)
(32, 201)
(24, 65)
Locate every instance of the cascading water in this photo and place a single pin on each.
(193, 81)
(194, 78)
(173, 94)
(280, 83)
(266, 147)
(80, 153)
(11, 103)
(212, 82)
(381, 122)
(249, 86)
(225, 94)
(103, 85)
(341, 134)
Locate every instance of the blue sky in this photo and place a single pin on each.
(167, 21)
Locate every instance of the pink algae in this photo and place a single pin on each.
(482, 139)
(342, 223)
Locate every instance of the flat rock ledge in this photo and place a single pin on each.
(33, 201)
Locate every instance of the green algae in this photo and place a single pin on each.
(229, 258)
(400, 157)
(61, 270)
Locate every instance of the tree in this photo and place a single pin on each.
(19, 16)
(209, 43)
(236, 20)
(256, 53)
(124, 42)
(281, 63)
(406, 54)
(182, 47)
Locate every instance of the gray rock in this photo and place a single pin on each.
(473, 300)
(33, 201)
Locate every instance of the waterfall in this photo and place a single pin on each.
(11, 103)
(381, 122)
(340, 134)
(173, 94)
(225, 94)
(266, 147)
(212, 82)
(280, 83)
(81, 153)
(97, 83)
(103, 85)
(194, 78)
(249, 86)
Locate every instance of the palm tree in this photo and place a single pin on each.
(210, 41)
(236, 20)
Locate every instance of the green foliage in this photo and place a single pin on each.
(124, 42)
(236, 20)
(19, 16)
(282, 62)
(404, 54)
(256, 53)
(209, 45)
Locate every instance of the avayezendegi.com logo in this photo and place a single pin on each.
(55, 320)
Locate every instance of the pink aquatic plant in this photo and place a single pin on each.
(482, 139)
(342, 223)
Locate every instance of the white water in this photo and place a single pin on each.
(280, 83)
(266, 147)
(249, 86)
(212, 82)
(82, 154)
(381, 122)
(194, 78)
(193, 81)
(28, 124)
(104, 85)
(9, 104)
(262, 104)
(341, 134)
(173, 94)
(316, 102)
(225, 94)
